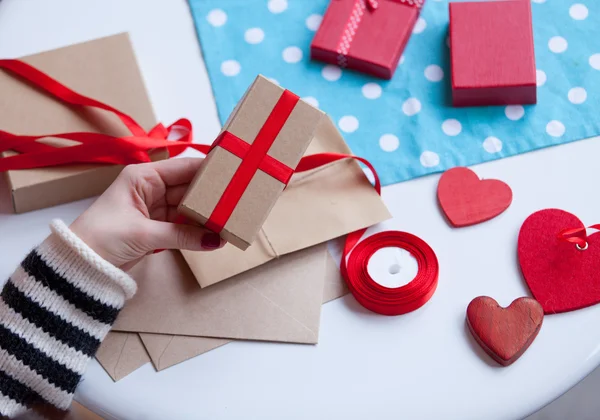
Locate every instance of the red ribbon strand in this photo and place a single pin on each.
(356, 255)
(269, 165)
(577, 236)
(92, 147)
(101, 148)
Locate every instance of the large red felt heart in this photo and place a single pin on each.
(560, 276)
(504, 333)
(467, 200)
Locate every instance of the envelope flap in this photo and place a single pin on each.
(166, 350)
(169, 350)
(121, 353)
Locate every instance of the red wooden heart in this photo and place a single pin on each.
(560, 276)
(504, 333)
(467, 200)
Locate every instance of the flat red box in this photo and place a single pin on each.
(492, 54)
(378, 40)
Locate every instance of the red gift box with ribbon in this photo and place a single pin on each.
(251, 162)
(366, 35)
(57, 145)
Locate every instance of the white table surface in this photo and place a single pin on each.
(423, 365)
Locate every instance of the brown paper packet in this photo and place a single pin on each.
(104, 69)
(217, 172)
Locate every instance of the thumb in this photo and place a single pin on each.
(166, 235)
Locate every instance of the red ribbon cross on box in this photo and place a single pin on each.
(254, 157)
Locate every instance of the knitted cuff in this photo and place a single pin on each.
(69, 255)
(55, 310)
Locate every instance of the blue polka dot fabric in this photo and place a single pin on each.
(406, 126)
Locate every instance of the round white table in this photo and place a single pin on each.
(423, 365)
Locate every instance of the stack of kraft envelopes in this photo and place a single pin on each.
(192, 302)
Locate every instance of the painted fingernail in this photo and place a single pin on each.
(211, 241)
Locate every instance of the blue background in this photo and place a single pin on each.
(222, 25)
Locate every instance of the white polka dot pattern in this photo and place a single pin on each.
(492, 144)
(555, 128)
(558, 44)
(277, 6)
(217, 17)
(451, 127)
(348, 124)
(514, 112)
(406, 126)
(429, 159)
(389, 142)
(371, 91)
(254, 36)
(292, 55)
(230, 68)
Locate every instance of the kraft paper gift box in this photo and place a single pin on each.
(279, 281)
(251, 162)
(316, 206)
(492, 53)
(366, 35)
(104, 69)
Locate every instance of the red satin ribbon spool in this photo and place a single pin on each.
(399, 300)
(355, 258)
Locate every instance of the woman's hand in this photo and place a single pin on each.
(135, 215)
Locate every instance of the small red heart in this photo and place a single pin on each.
(504, 333)
(560, 276)
(466, 200)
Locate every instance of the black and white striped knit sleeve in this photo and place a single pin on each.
(55, 310)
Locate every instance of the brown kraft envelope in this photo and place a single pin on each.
(104, 69)
(221, 166)
(317, 206)
(168, 350)
(280, 301)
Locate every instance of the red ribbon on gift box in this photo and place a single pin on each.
(92, 147)
(254, 157)
(352, 24)
(101, 148)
